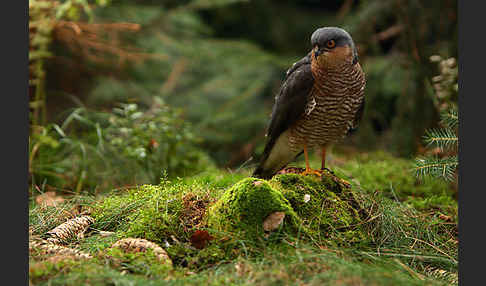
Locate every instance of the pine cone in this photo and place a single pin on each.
(70, 229)
(47, 247)
(141, 245)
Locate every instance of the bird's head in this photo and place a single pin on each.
(332, 47)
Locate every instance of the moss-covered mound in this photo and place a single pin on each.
(321, 209)
(243, 208)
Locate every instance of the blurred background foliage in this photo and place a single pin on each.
(125, 92)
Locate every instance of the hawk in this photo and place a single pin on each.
(320, 101)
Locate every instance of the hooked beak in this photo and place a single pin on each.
(318, 51)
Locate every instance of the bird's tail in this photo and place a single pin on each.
(261, 173)
(276, 155)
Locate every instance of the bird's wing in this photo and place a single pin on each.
(358, 116)
(291, 101)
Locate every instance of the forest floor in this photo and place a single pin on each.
(370, 223)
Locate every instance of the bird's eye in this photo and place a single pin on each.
(331, 44)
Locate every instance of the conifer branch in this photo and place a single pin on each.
(437, 167)
(444, 138)
(450, 118)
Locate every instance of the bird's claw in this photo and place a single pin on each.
(312, 172)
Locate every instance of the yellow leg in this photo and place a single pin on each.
(323, 162)
(308, 170)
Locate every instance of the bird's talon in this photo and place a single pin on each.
(311, 172)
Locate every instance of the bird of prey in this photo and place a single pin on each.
(320, 101)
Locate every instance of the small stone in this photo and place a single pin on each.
(306, 198)
(273, 221)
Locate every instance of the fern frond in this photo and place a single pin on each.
(444, 138)
(437, 167)
(450, 118)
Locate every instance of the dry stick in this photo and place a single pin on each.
(409, 270)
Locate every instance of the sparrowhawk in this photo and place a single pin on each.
(321, 99)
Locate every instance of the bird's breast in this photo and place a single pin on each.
(331, 107)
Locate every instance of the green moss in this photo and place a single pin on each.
(112, 214)
(215, 179)
(442, 202)
(215, 253)
(153, 212)
(96, 244)
(391, 175)
(327, 214)
(159, 218)
(243, 208)
(45, 270)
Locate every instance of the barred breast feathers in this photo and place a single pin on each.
(332, 104)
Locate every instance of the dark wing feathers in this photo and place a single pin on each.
(303, 61)
(359, 114)
(292, 98)
(290, 103)
(357, 118)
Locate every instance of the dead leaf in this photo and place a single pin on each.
(200, 238)
(445, 217)
(49, 199)
(273, 221)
